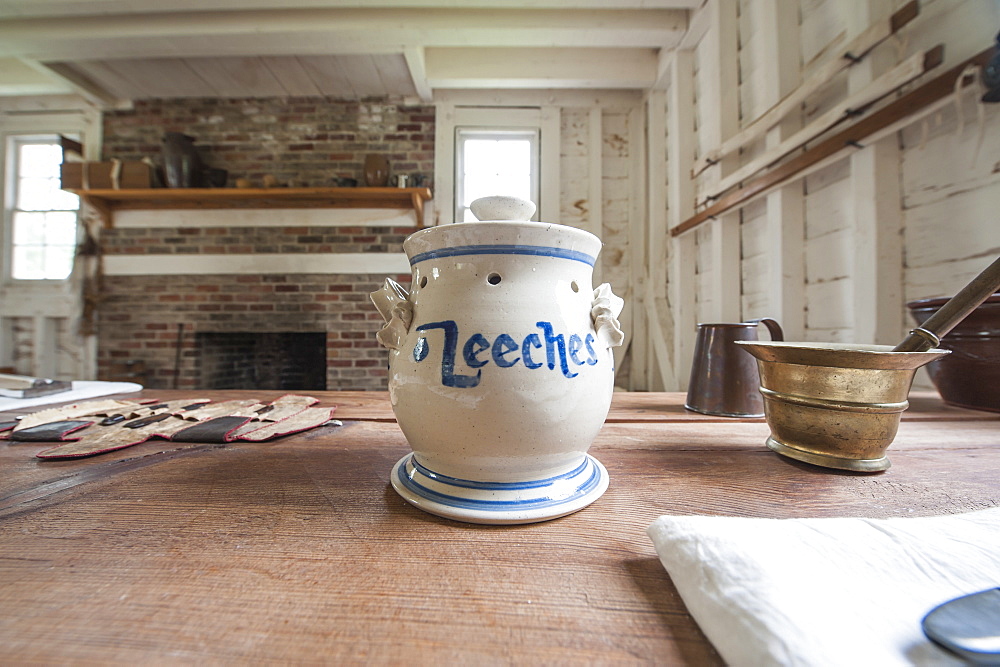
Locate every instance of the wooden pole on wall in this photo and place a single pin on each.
(886, 120)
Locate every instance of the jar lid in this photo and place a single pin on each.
(503, 228)
(501, 207)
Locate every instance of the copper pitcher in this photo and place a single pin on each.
(724, 378)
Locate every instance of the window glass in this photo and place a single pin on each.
(494, 162)
(43, 217)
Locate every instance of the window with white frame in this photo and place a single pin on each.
(43, 218)
(492, 161)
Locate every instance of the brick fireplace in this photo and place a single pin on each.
(282, 360)
(157, 319)
(170, 320)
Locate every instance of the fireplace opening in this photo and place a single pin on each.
(245, 360)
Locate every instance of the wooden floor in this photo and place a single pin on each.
(298, 550)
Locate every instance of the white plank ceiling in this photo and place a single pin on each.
(116, 51)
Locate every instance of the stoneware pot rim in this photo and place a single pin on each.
(938, 301)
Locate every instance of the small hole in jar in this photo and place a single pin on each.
(493, 279)
(573, 286)
(423, 281)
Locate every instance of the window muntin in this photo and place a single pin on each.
(494, 162)
(43, 217)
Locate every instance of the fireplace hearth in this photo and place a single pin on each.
(288, 361)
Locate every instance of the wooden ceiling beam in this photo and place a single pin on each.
(541, 68)
(43, 8)
(333, 31)
(83, 86)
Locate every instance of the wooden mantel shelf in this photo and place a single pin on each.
(106, 202)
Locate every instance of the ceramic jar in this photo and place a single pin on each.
(500, 366)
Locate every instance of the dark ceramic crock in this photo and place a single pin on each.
(969, 377)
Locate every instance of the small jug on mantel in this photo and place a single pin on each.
(501, 369)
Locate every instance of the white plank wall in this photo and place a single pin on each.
(601, 166)
(834, 255)
(617, 169)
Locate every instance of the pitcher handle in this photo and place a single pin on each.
(772, 326)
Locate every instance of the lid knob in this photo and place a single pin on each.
(501, 207)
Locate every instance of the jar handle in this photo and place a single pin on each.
(604, 312)
(772, 326)
(393, 304)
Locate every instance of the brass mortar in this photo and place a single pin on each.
(835, 405)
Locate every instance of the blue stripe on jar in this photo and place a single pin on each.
(537, 251)
(496, 505)
(496, 486)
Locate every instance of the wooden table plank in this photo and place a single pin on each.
(298, 550)
(625, 406)
(366, 405)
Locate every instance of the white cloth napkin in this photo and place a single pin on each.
(81, 389)
(826, 591)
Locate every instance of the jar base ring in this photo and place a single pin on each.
(499, 502)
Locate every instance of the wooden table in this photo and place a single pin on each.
(298, 550)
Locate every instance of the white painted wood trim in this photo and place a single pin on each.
(784, 224)
(658, 337)
(657, 229)
(607, 99)
(417, 64)
(660, 329)
(725, 281)
(727, 276)
(550, 125)
(322, 263)
(331, 217)
(444, 163)
(597, 67)
(877, 274)
(680, 140)
(595, 180)
(699, 21)
(640, 370)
